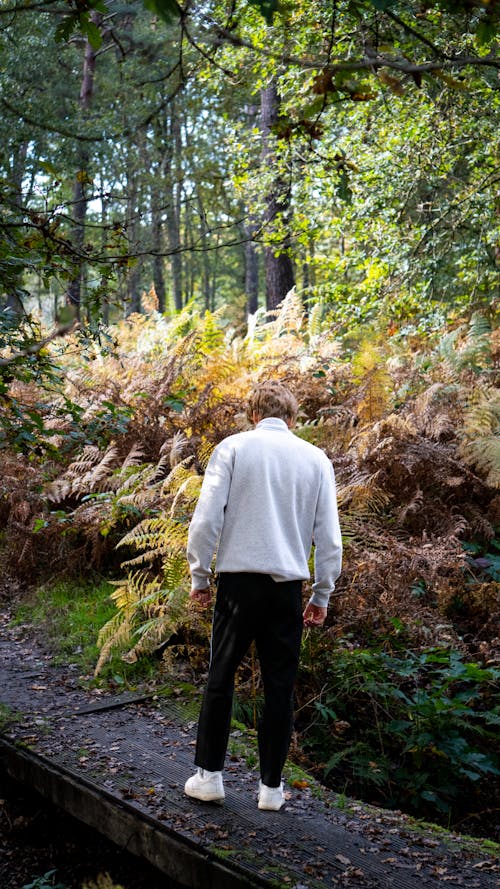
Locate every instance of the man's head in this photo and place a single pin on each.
(272, 399)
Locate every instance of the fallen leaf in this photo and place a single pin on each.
(343, 859)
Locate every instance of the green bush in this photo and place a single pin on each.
(413, 730)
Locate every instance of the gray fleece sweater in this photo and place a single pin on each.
(266, 496)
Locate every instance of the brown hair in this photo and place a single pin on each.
(272, 399)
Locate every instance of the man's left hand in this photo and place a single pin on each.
(314, 615)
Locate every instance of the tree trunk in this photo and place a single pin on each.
(205, 265)
(173, 210)
(133, 294)
(277, 261)
(251, 268)
(13, 285)
(157, 239)
(74, 291)
(104, 284)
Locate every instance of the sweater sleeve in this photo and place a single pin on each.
(327, 540)
(208, 517)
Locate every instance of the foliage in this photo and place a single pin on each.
(47, 881)
(419, 513)
(103, 881)
(430, 736)
(71, 614)
(170, 165)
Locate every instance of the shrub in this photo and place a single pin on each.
(409, 729)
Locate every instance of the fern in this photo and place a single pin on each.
(480, 444)
(468, 347)
(370, 373)
(149, 598)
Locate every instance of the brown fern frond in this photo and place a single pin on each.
(134, 458)
(382, 435)
(95, 478)
(412, 506)
(361, 492)
(176, 447)
(289, 315)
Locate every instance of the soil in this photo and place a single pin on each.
(36, 839)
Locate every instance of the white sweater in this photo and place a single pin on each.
(266, 496)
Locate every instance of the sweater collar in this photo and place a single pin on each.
(273, 423)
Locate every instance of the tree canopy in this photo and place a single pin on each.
(135, 153)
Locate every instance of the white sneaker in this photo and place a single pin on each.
(271, 798)
(206, 786)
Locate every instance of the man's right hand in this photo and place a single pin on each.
(201, 598)
(314, 615)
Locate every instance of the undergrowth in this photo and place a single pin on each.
(406, 729)
(110, 481)
(68, 616)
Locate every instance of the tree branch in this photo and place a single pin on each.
(35, 348)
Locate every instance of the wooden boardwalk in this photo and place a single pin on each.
(119, 765)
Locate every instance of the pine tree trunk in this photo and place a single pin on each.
(14, 285)
(79, 203)
(277, 261)
(251, 270)
(157, 237)
(133, 294)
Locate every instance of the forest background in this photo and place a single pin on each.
(195, 197)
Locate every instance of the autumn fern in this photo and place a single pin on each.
(151, 597)
(480, 445)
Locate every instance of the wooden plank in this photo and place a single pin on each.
(177, 857)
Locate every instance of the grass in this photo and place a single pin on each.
(68, 615)
(7, 717)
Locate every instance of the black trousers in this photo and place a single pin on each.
(252, 607)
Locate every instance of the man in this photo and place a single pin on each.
(266, 495)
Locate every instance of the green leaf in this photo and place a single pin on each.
(168, 10)
(65, 28)
(382, 4)
(267, 8)
(38, 524)
(175, 403)
(92, 32)
(486, 31)
(343, 190)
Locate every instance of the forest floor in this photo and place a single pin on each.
(137, 751)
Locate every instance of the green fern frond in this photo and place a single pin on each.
(480, 446)
(314, 321)
(146, 558)
(370, 372)
(175, 570)
(177, 476)
(212, 337)
(115, 633)
(468, 347)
